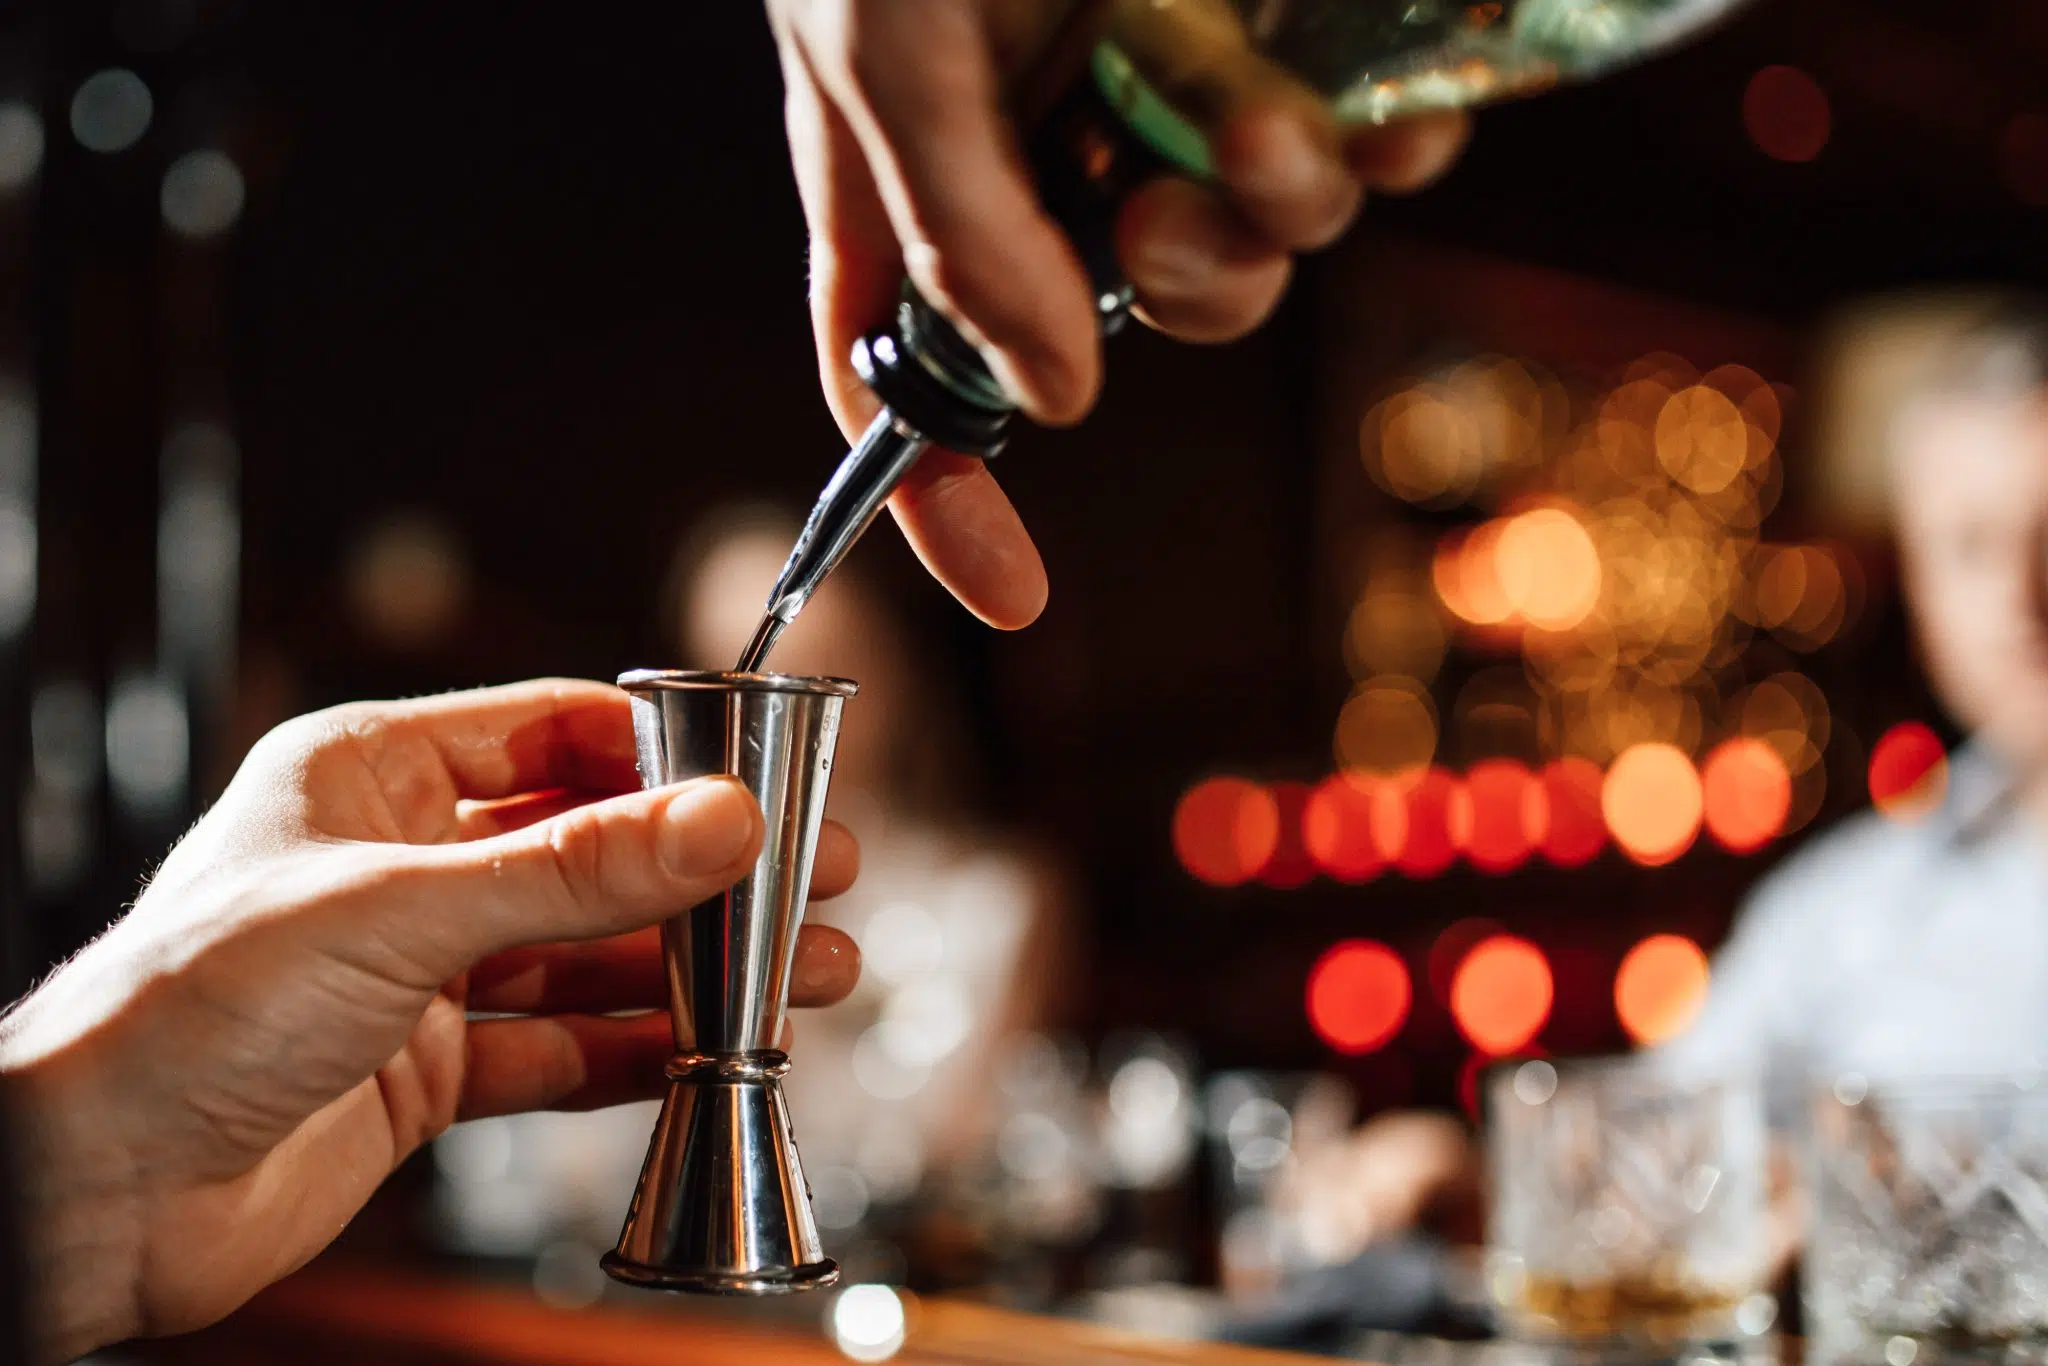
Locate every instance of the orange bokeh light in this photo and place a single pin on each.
(1660, 988)
(1467, 578)
(1652, 802)
(1358, 996)
(1787, 114)
(1447, 953)
(1507, 814)
(1429, 843)
(1575, 832)
(1547, 568)
(1290, 864)
(1908, 771)
(1224, 830)
(1501, 994)
(1747, 793)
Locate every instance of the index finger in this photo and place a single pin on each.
(522, 737)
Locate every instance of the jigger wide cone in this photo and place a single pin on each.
(722, 1206)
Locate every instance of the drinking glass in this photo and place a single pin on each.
(1929, 1234)
(1628, 1208)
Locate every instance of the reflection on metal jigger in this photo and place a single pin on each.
(722, 1206)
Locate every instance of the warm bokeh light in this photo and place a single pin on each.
(1575, 832)
(1224, 830)
(1394, 631)
(1747, 793)
(1702, 441)
(1908, 771)
(1547, 568)
(1788, 712)
(1660, 988)
(1358, 996)
(1388, 726)
(1340, 828)
(1652, 802)
(1506, 814)
(1430, 842)
(1423, 447)
(1501, 994)
(1447, 952)
(1787, 114)
(1466, 573)
(1290, 864)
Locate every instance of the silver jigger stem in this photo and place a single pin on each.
(722, 1206)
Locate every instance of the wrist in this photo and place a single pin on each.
(78, 1228)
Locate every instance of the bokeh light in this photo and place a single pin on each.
(1466, 573)
(1429, 844)
(1747, 793)
(1908, 772)
(1358, 996)
(1574, 830)
(1652, 803)
(1547, 568)
(1501, 994)
(1447, 952)
(1290, 864)
(1507, 815)
(1702, 440)
(1338, 828)
(1224, 830)
(1787, 114)
(1388, 726)
(1394, 631)
(1660, 988)
(1423, 448)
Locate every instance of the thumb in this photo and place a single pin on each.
(607, 868)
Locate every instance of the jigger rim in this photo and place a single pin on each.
(713, 680)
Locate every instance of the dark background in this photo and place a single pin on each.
(539, 272)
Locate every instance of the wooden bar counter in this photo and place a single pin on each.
(332, 1314)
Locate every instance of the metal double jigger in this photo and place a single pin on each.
(722, 1206)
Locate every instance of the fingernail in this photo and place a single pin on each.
(707, 827)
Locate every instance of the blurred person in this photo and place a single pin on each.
(968, 927)
(1882, 948)
(202, 1099)
(901, 132)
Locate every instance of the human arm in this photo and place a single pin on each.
(906, 162)
(207, 1094)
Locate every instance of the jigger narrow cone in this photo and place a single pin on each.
(722, 1206)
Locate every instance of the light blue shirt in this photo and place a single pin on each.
(1893, 950)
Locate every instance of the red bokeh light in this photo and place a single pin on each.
(1448, 952)
(1908, 771)
(1787, 114)
(1430, 844)
(1340, 830)
(1652, 802)
(1660, 988)
(1509, 815)
(1289, 865)
(1224, 830)
(1501, 994)
(1358, 996)
(1747, 793)
(1575, 832)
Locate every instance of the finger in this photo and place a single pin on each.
(604, 869)
(1282, 163)
(827, 967)
(921, 95)
(1200, 271)
(964, 530)
(524, 737)
(627, 972)
(563, 1062)
(1406, 156)
(836, 863)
